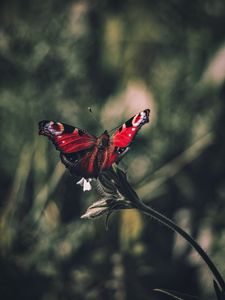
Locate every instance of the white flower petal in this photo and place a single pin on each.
(86, 186)
(85, 183)
(81, 182)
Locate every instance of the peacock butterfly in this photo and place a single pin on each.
(86, 155)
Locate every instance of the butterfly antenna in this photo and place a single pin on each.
(113, 129)
(94, 118)
(92, 114)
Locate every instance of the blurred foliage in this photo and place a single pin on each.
(57, 58)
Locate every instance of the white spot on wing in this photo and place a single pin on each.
(142, 117)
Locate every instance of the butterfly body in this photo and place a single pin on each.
(86, 155)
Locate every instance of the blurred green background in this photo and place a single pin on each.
(57, 58)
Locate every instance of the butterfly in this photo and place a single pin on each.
(86, 155)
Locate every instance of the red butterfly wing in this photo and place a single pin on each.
(121, 139)
(126, 133)
(89, 163)
(81, 163)
(67, 139)
(84, 154)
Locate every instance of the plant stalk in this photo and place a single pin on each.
(164, 220)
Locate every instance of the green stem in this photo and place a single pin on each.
(161, 218)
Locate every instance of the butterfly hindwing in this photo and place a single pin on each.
(90, 162)
(82, 164)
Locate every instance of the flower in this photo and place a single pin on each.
(85, 183)
(114, 193)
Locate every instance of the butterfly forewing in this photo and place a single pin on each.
(126, 133)
(67, 139)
